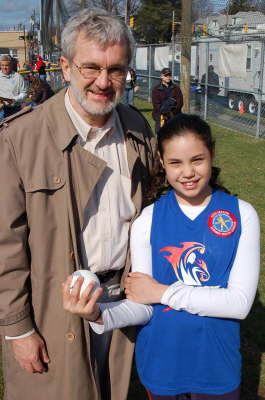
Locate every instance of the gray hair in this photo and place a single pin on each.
(97, 25)
(5, 58)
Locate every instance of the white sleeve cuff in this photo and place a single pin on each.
(176, 295)
(20, 97)
(122, 313)
(20, 336)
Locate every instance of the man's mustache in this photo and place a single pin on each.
(97, 91)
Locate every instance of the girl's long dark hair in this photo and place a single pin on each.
(180, 125)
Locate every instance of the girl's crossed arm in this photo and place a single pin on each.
(234, 301)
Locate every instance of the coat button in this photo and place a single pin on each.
(56, 179)
(70, 336)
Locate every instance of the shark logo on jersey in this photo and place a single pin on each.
(187, 263)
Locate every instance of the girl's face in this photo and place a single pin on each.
(188, 166)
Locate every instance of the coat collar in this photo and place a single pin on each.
(163, 87)
(59, 121)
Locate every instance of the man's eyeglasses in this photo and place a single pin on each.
(92, 72)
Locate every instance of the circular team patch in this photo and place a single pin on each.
(222, 223)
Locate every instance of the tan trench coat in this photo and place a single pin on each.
(46, 179)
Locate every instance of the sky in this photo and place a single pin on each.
(14, 12)
(220, 4)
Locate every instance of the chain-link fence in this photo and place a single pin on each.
(227, 78)
(53, 76)
(148, 61)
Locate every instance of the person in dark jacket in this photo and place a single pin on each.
(39, 90)
(167, 99)
(213, 82)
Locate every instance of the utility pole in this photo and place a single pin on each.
(109, 5)
(33, 30)
(58, 23)
(25, 47)
(126, 12)
(173, 30)
(40, 37)
(186, 34)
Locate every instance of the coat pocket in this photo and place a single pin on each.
(44, 183)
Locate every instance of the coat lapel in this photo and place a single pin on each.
(82, 168)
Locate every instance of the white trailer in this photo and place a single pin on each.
(248, 91)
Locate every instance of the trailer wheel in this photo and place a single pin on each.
(252, 106)
(232, 101)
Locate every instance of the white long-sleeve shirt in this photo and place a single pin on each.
(13, 86)
(234, 301)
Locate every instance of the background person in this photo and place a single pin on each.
(12, 87)
(75, 171)
(130, 86)
(191, 249)
(41, 68)
(213, 82)
(39, 90)
(167, 99)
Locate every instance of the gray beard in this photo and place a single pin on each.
(82, 101)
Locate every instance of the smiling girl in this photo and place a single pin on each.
(195, 258)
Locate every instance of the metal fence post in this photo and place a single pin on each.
(260, 87)
(206, 83)
(173, 47)
(149, 73)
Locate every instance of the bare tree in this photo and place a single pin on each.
(117, 7)
(74, 6)
(234, 6)
(56, 12)
(260, 6)
(49, 28)
(201, 9)
(132, 7)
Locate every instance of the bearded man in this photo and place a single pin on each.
(74, 172)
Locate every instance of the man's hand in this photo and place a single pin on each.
(142, 288)
(30, 352)
(6, 100)
(86, 305)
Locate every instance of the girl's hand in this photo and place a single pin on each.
(142, 288)
(86, 305)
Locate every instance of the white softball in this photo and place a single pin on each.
(88, 277)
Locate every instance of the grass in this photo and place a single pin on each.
(242, 161)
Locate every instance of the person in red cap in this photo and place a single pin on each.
(167, 99)
(40, 67)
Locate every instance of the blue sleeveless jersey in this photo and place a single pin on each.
(178, 352)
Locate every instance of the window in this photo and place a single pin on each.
(4, 51)
(248, 58)
(13, 52)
